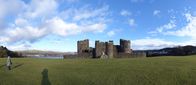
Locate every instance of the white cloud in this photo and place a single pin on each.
(135, 1)
(156, 12)
(29, 26)
(96, 27)
(90, 13)
(171, 11)
(55, 26)
(27, 33)
(165, 27)
(20, 47)
(37, 19)
(150, 43)
(42, 8)
(156, 43)
(72, 1)
(15, 6)
(21, 22)
(85, 13)
(111, 33)
(58, 26)
(188, 30)
(132, 22)
(63, 28)
(4, 39)
(125, 13)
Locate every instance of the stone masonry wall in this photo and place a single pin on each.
(99, 49)
(109, 49)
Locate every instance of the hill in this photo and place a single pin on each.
(33, 53)
(173, 51)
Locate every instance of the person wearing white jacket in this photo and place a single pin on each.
(9, 63)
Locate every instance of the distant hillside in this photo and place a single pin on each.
(38, 51)
(31, 53)
(175, 51)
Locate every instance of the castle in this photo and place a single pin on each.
(105, 50)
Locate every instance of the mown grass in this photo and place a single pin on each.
(130, 71)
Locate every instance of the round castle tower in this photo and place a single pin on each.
(125, 46)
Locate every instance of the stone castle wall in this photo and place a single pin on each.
(81, 55)
(106, 48)
(131, 55)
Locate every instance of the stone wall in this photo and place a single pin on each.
(81, 55)
(119, 55)
(131, 55)
(138, 54)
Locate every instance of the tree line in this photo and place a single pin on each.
(4, 52)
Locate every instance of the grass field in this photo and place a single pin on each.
(132, 71)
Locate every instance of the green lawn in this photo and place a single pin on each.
(130, 71)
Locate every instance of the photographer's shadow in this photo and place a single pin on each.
(45, 80)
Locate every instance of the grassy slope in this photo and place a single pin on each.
(133, 71)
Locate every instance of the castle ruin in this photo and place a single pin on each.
(83, 46)
(105, 50)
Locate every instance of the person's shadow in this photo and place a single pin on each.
(16, 66)
(45, 80)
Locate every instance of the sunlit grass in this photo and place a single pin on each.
(130, 71)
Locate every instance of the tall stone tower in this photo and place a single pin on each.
(109, 49)
(83, 46)
(125, 46)
(100, 48)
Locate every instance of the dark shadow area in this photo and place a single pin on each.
(17, 66)
(45, 80)
(1, 66)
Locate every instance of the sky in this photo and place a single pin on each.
(57, 25)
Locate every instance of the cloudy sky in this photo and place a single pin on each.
(58, 24)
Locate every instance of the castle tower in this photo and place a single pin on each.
(125, 46)
(99, 49)
(109, 49)
(83, 46)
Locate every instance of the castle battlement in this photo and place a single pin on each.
(104, 48)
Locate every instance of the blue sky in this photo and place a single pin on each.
(57, 24)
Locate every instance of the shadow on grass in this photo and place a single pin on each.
(17, 66)
(14, 67)
(45, 80)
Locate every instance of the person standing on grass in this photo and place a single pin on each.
(9, 63)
